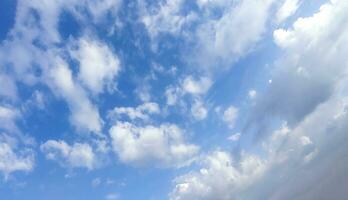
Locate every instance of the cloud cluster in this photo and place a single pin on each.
(16, 152)
(141, 112)
(309, 91)
(78, 155)
(12, 159)
(222, 31)
(161, 146)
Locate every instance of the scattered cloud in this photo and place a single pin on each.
(252, 94)
(198, 110)
(142, 112)
(99, 66)
(13, 159)
(161, 146)
(84, 115)
(230, 116)
(196, 86)
(288, 8)
(235, 137)
(78, 155)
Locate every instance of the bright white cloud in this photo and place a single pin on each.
(12, 160)
(244, 20)
(161, 146)
(166, 17)
(288, 8)
(313, 63)
(84, 115)
(230, 116)
(99, 66)
(294, 158)
(196, 86)
(220, 179)
(78, 155)
(292, 164)
(252, 94)
(142, 112)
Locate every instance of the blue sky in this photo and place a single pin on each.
(173, 99)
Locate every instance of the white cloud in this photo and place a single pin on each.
(288, 8)
(161, 146)
(12, 160)
(291, 163)
(166, 17)
(84, 115)
(142, 112)
(220, 179)
(313, 63)
(244, 20)
(293, 159)
(230, 116)
(8, 117)
(235, 137)
(252, 94)
(100, 9)
(172, 95)
(99, 66)
(198, 110)
(78, 155)
(196, 86)
(8, 88)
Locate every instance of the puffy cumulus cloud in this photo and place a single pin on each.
(12, 159)
(140, 112)
(84, 115)
(78, 155)
(166, 17)
(221, 178)
(310, 92)
(160, 146)
(99, 66)
(188, 94)
(291, 164)
(16, 153)
(230, 116)
(35, 27)
(195, 86)
(313, 63)
(288, 8)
